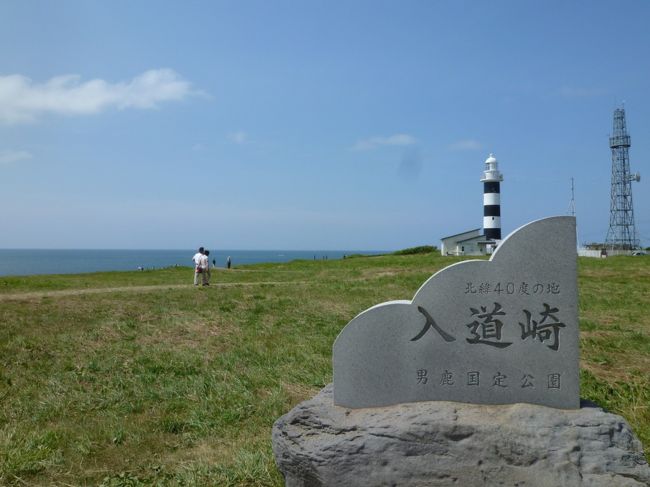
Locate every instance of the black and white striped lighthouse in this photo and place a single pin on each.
(492, 199)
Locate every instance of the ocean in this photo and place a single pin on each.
(23, 262)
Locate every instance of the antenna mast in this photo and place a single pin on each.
(622, 231)
(572, 204)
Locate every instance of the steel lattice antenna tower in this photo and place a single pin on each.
(572, 204)
(622, 232)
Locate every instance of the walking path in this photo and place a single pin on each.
(144, 289)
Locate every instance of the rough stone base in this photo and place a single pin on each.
(455, 444)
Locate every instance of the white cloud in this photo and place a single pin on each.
(238, 137)
(374, 142)
(8, 157)
(22, 100)
(466, 144)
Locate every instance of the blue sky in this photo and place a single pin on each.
(311, 125)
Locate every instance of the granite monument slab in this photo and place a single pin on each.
(496, 331)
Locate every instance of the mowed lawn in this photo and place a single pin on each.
(138, 378)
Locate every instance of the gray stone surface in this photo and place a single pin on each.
(455, 444)
(501, 331)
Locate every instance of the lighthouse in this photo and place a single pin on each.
(481, 241)
(491, 179)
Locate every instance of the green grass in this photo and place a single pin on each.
(172, 385)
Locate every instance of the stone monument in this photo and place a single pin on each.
(501, 331)
(462, 385)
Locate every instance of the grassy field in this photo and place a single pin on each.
(138, 378)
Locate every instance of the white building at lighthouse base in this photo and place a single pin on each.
(471, 242)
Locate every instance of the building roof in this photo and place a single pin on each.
(471, 238)
(462, 233)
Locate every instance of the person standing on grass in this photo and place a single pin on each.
(205, 263)
(208, 271)
(198, 265)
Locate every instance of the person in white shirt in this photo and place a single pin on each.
(198, 266)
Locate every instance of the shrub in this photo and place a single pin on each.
(422, 249)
